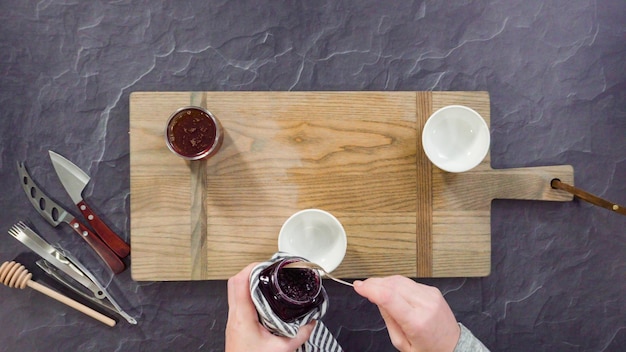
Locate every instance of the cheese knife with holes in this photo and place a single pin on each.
(55, 215)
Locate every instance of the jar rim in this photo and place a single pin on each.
(285, 295)
(219, 134)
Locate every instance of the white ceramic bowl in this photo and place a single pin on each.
(456, 138)
(315, 235)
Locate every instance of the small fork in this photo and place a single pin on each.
(309, 265)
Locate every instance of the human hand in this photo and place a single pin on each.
(243, 330)
(418, 317)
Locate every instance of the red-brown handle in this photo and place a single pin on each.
(107, 255)
(588, 197)
(110, 238)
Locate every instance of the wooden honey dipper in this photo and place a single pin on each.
(15, 275)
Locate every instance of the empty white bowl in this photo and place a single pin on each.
(456, 138)
(315, 235)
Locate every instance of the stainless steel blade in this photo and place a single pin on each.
(51, 211)
(74, 180)
(72, 177)
(55, 214)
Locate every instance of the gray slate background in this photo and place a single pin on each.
(556, 72)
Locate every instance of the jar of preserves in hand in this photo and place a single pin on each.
(291, 292)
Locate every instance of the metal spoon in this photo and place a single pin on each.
(309, 265)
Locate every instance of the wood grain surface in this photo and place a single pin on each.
(355, 154)
(461, 209)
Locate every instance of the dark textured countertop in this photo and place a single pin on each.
(555, 71)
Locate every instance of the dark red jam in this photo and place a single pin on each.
(291, 293)
(299, 284)
(193, 133)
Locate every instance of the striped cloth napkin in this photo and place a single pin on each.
(321, 339)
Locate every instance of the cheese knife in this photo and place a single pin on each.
(74, 181)
(55, 215)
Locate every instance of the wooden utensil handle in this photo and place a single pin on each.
(15, 275)
(110, 238)
(588, 197)
(107, 255)
(70, 302)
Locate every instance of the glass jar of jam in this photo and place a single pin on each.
(193, 133)
(291, 292)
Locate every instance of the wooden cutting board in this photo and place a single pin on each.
(357, 155)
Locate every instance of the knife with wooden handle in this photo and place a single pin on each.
(74, 181)
(55, 214)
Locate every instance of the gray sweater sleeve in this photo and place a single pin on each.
(468, 342)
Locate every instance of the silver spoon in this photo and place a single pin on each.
(309, 265)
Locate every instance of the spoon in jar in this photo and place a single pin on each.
(309, 265)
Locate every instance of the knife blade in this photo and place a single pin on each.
(74, 181)
(55, 215)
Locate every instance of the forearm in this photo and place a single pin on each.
(468, 342)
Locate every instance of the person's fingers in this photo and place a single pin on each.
(302, 336)
(414, 313)
(409, 290)
(377, 290)
(386, 294)
(232, 302)
(396, 334)
(235, 283)
(239, 299)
